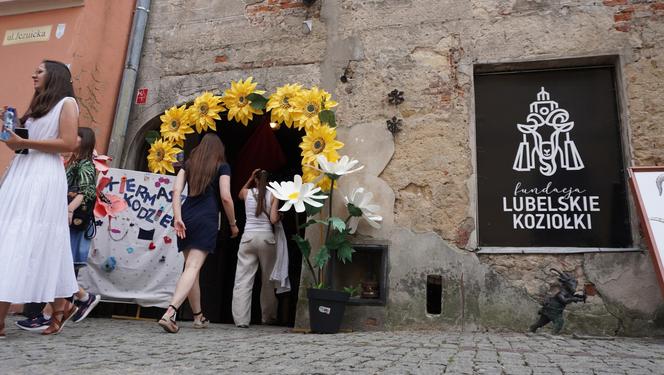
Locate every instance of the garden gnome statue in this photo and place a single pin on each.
(553, 307)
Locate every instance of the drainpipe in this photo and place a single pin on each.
(126, 93)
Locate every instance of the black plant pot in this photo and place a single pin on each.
(326, 309)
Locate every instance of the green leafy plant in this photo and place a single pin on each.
(327, 117)
(258, 101)
(352, 290)
(151, 136)
(336, 242)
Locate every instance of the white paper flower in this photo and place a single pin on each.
(295, 193)
(361, 199)
(338, 168)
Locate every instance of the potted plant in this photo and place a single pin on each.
(326, 306)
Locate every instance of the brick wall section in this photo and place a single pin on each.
(627, 13)
(273, 6)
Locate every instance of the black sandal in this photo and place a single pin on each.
(169, 324)
(203, 323)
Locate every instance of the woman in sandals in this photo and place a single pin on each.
(257, 246)
(208, 180)
(81, 184)
(35, 253)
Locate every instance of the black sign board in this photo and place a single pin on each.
(550, 169)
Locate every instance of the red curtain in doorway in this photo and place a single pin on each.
(262, 150)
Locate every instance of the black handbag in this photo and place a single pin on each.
(82, 217)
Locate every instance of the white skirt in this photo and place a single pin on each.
(36, 263)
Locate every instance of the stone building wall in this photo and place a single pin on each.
(424, 175)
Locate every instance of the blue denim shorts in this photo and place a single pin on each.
(80, 246)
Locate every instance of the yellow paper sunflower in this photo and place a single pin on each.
(310, 174)
(309, 104)
(279, 105)
(235, 99)
(205, 110)
(319, 140)
(176, 124)
(162, 155)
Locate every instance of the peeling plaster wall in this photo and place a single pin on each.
(424, 176)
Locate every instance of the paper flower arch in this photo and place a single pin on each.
(295, 107)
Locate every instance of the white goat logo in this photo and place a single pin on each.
(548, 154)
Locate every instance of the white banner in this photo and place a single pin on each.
(134, 255)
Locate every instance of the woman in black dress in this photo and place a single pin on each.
(208, 178)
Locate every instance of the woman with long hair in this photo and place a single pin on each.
(208, 180)
(35, 253)
(257, 246)
(81, 185)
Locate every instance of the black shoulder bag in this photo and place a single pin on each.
(82, 216)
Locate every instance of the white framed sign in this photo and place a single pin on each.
(648, 188)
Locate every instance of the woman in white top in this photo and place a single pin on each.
(257, 246)
(35, 255)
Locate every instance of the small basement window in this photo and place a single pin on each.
(434, 294)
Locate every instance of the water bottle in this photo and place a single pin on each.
(9, 119)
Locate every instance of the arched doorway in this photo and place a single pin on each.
(247, 147)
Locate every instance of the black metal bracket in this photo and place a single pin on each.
(395, 97)
(394, 125)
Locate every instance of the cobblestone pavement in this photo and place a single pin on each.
(105, 346)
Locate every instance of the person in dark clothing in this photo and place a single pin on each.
(196, 222)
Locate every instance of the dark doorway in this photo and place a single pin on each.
(244, 154)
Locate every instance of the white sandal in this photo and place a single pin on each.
(200, 324)
(168, 324)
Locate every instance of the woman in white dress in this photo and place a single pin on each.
(35, 254)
